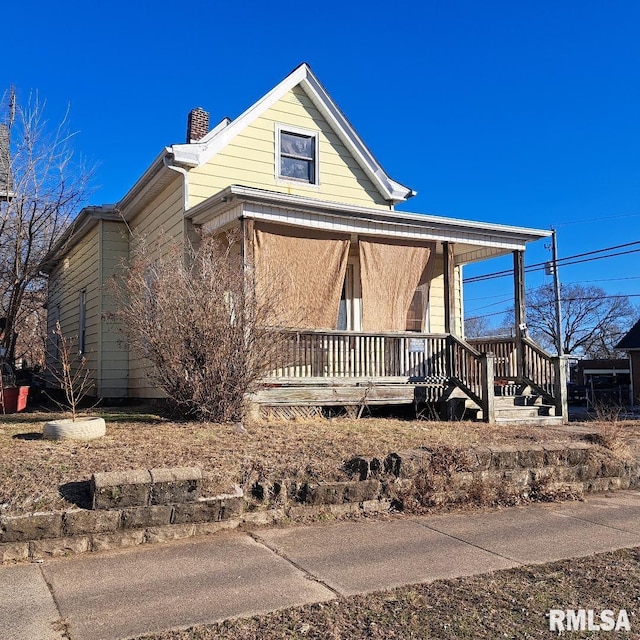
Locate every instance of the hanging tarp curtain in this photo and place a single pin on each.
(390, 271)
(301, 273)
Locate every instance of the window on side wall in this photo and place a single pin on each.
(82, 328)
(297, 155)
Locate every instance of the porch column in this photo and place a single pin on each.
(488, 391)
(519, 308)
(449, 293)
(247, 252)
(560, 387)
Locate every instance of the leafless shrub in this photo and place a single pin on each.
(70, 371)
(610, 431)
(192, 314)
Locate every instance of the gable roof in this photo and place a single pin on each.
(631, 340)
(195, 154)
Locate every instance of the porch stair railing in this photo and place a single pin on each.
(473, 372)
(528, 365)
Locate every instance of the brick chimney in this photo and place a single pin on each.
(197, 124)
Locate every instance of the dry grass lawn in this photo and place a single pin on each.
(514, 603)
(33, 470)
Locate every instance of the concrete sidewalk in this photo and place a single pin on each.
(116, 595)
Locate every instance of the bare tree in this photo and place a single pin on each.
(196, 321)
(70, 371)
(480, 327)
(592, 321)
(41, 187)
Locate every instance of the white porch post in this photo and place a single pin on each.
(520, 314)
(449, 293)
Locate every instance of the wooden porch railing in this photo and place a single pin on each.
(538, 369)
(468, 371)
(414, 357)
(504, 350)
(346, 354)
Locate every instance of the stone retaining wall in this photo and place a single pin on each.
(140, 506)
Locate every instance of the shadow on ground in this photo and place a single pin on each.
(31, 435)
(77, 493)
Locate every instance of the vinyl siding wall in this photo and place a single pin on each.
(88, 266)
(160, 223)
(436, 299)
(114, 360)
(76, 272)
(249, 160)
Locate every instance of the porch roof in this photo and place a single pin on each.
(472, 240)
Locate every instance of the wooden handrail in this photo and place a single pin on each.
(321, 356)
(539, 369)
(466, 369)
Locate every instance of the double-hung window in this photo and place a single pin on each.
(297, 155)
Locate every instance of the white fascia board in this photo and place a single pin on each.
(390, 189)
(78, 228)
(354, 217)
(198, 153)
(368, 227)
(137, 190)
(398, 217)
(215, 141)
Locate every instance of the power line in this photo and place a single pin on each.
(602, 280)
(504, 297)
(569, 260)
(624, 215)
(575, 299)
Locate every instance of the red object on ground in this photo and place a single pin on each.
(14, 399)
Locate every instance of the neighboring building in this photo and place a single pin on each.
(294, 178)
(631, 344)
(610, 372)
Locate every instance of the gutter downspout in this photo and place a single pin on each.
(167, 160)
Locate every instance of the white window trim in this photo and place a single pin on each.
(285, 128)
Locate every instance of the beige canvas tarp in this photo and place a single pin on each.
(390, 271)
(302, 271)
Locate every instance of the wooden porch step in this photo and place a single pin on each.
(537, 420)
(522, 400)
(524, 412)
(525, 407)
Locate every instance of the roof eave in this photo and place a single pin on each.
(78, 229)
(212, 206)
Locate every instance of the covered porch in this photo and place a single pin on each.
(373, 309)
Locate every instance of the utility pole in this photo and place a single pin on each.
(556, 282)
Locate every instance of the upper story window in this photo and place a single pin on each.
(297, 157)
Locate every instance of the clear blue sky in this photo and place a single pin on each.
(524, 113)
